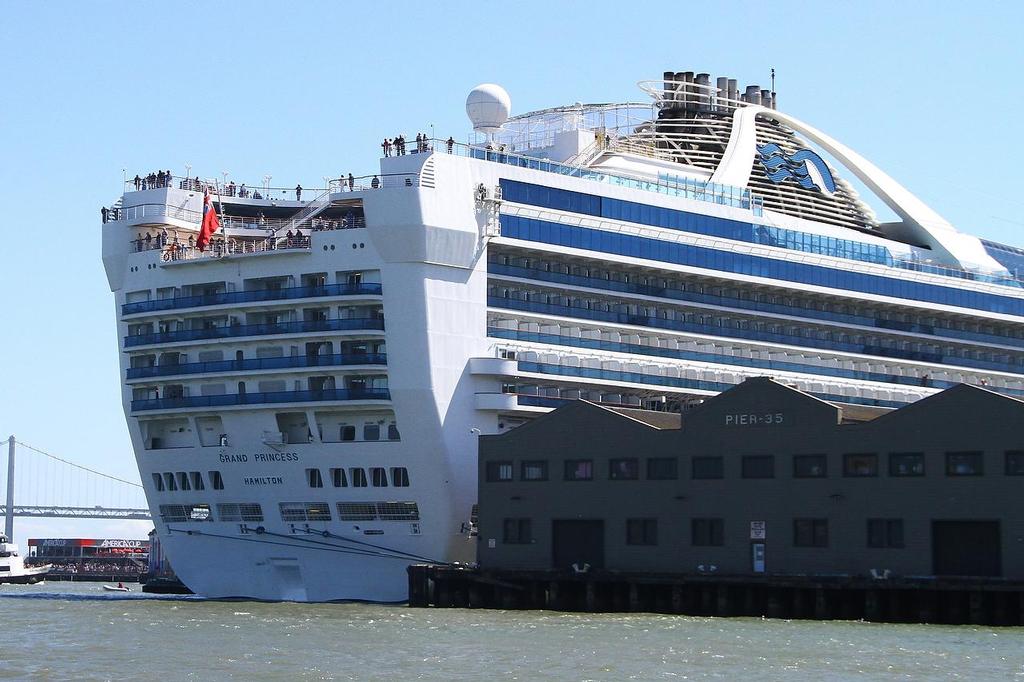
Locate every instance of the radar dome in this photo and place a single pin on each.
(488, 106)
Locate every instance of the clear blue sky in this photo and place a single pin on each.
(930, 92)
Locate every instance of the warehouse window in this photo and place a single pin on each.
(623, 469)
(662, 468)
(885, 533)
(707, 467)
(517, 532)
(906, 464)
(707, 532)
(758, 466)
(810, 466)
(535, 470)
(810, 532)
(579, 469)
(499, 471)
(965, 464)
(1015, 463)
(861, 464)
(641, 531)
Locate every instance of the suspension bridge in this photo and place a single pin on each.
(58, 488)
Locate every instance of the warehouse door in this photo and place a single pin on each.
(577, 542)
(966, 548)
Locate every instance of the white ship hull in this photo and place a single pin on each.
(305, 417)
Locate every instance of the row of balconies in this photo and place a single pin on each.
(353, 318)
(312, 389)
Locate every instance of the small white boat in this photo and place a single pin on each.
(13, 568)
(116, 588)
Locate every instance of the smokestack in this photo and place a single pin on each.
(734, 93)
(766, 99)
(668, 94)
(688, 95)
(753, 94)
(723, 91)
(703, 91)
(680, 87)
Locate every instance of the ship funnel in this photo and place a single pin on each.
(734, 93)
(723, 91)
(703, 91)
(766, 99)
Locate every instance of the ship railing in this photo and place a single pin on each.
(271, 193)
(687, 188)
(257, 295)
(265, 329)
(249, 364)
(327, 394)
(219, 247)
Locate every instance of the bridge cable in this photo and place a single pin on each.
(77, 466)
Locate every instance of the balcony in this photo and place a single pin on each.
(325, 395)
(289, 293)
(226, 366)
(237, 330)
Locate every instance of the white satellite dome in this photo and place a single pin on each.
(488, 106)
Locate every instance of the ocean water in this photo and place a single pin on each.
(76, 631)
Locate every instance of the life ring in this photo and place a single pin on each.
(167, 255)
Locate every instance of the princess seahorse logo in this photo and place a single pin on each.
(803, 165)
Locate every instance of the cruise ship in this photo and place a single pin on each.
(304, 395)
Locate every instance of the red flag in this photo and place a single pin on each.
(210, 222)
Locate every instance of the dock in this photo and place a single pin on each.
(950, 601)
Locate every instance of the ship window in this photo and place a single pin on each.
(216, 480)
(173, 513)
(393, 432)
(239, 512)
(358, 477)
(398, 511)
(158, 482)
(338, 478)
(348, 432)
(400, 477)
(371, 431)
(314, 478)
(183, 481)
(379, 477)
(357, 511)
(197, 480)
(305, 511)
(169, 481)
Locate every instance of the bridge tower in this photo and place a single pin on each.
(9, 516)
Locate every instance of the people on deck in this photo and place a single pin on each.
(298, 192)
(104, 213)
(450, 143)
(375, 183)
(351, 183)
